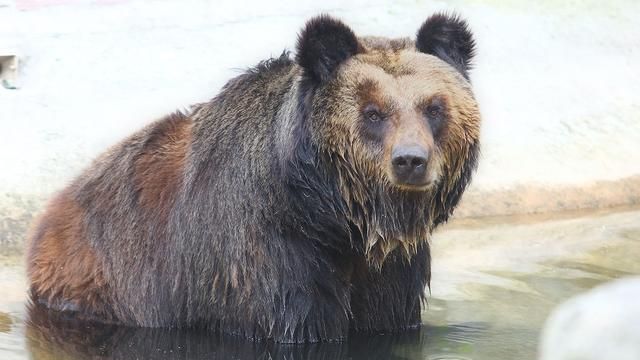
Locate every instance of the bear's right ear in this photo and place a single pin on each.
(323, 44)
(448, 37)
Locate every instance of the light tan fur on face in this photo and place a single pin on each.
(417, 78)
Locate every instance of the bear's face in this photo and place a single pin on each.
(398, 120)
(403, 114)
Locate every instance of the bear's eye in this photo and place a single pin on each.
(434, 110)
(373, 114)
(435, 113)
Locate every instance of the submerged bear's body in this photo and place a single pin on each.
(261, 213)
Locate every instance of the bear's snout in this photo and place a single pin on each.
(409, 164)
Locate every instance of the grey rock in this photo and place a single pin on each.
(603, 323)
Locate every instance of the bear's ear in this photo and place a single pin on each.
(323, 44)
(447, 37)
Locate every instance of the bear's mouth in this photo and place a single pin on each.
(424, 183)
(426, 186)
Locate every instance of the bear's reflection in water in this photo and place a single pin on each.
(53, 335)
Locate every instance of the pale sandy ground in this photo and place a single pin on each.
(471, 253)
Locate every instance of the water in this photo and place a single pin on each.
(495, 282)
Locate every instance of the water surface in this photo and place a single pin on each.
(495, 280)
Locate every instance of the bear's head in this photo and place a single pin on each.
(397, 122)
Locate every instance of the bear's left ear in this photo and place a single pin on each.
(447, 37)
(323, 44)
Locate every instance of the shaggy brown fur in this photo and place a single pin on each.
(159, 169)
(274, 210)
(63, 268)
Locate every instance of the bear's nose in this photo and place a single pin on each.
(410, 165)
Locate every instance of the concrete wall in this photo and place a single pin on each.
(558, 83)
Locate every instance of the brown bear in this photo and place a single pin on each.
(295, 205)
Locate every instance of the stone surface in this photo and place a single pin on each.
(603, 323)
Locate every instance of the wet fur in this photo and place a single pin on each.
(242, 216)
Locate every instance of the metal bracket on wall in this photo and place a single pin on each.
(9, 71)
